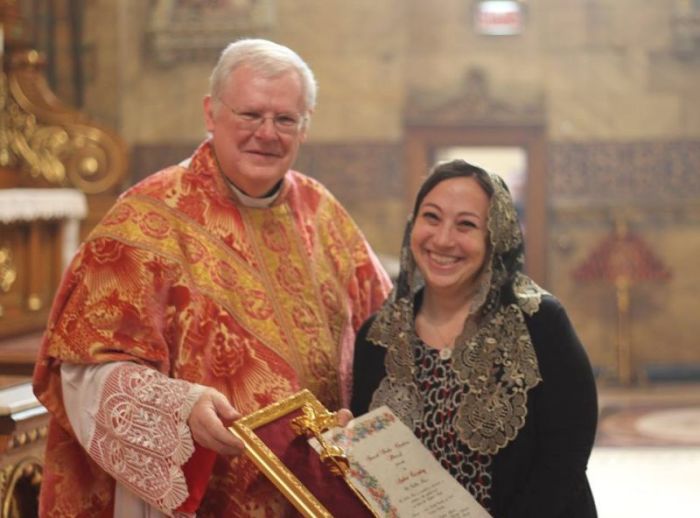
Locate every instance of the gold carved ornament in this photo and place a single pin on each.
(313, 421)
(50, 141)
(312, 424)
(8, 273)
(19, 487)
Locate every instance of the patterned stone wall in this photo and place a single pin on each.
(655, 187)
(657, 171)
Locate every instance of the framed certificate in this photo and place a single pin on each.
(384, 470)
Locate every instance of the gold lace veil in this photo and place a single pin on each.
(493, 356)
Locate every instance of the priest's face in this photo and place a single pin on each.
(257, 126)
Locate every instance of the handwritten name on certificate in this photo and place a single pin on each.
(397, 474)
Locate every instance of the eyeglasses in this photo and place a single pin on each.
(286, 123)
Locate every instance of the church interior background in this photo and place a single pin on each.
(589, 108)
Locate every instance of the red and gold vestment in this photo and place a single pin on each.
(181, 277)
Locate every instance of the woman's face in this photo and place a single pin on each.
(449, 237)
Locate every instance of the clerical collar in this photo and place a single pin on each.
(256, 203)
(249, 201)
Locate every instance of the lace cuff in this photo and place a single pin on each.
(141, 437)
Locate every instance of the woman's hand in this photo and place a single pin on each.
(208, 421)
(343, 416)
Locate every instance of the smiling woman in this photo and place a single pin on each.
(480, 362)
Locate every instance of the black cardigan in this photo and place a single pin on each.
(542, 472)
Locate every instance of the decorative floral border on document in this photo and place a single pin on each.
(345, 437)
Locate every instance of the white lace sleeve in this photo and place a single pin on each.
(132, 420)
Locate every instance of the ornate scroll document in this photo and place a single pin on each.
(373, 467)
(396, 473)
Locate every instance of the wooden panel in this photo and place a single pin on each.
(18, 354)
(30, 252)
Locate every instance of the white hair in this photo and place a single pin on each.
(266, 57)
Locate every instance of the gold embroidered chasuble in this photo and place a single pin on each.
(179, 276)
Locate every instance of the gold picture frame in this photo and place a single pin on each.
(269, 463)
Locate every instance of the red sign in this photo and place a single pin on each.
(499, 17)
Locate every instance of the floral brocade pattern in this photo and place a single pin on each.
(302, 323)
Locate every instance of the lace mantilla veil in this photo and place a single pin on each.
(493, 356)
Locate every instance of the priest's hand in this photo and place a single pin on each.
(208, 421)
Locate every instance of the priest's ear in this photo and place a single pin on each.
(210, 109)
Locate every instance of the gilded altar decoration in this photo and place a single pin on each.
(35, 224)
(622, 259)
(25, 142)
(8, 272)
(23, 431)
(49, 141)
(19, 485)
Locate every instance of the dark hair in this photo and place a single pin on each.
(457, 168)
